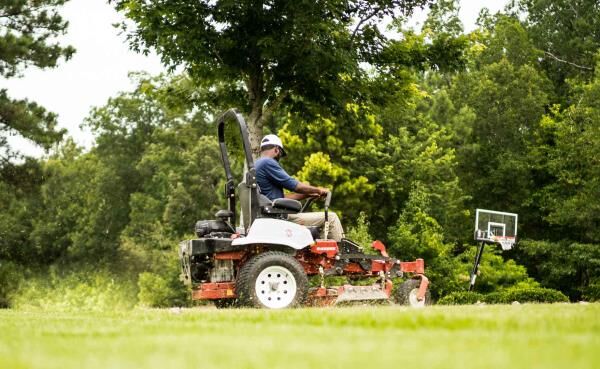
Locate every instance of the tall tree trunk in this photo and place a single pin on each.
(255, 123)
(255, 120)
(261, 111)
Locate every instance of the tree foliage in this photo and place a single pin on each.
(27, 29)
(568, 148)
(567, 34)
(273, 49)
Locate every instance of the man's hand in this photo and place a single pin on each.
(319, 192)
(322, 191)
(311, 191)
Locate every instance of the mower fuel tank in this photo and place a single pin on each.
(203, 246)
(206, 227)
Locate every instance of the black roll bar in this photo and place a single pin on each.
(228, 116)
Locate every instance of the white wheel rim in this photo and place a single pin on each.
(413, 300)
(275, 287)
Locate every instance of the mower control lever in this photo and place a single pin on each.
(310, 200)
(307, 204)
(327, 201)
(326, 225)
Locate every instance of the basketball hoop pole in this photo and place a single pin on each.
(476, 265)
(491, 227)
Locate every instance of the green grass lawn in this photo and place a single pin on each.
(521, 336)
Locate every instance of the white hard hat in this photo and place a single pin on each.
(273, 140)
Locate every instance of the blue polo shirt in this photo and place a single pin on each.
(272, 179)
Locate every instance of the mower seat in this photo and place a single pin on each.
(278, 208)
(287, 204)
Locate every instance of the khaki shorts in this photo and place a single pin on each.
(317, 219)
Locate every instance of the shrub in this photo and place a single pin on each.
(157, 269)
(461, 298)
(87, 289)
(529, 294)
(592, 292)
(360, 234)
(417, 234)
(498, 297)
(157, 291)
(566, 266)
(495, 273)
(11, 276)
(520, 294)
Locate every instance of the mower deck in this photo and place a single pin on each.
(322, 258)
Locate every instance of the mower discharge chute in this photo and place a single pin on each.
(265, 260)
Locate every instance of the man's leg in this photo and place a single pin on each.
(336, 231)
(317, 219)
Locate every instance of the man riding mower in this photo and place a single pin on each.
(272, 179)
(264, 260)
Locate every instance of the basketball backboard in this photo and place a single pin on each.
(496, 226)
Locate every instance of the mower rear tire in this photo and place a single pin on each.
(407, 294)
(272, 280)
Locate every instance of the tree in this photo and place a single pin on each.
(320, 148)
(568, 34)
(71, 201)
(571, 267)
(493, 111)
(267, 49)
(90, 198)
(443, 18)
(372, 157)
(567, 148)
(124, 204)
(19, 204)
(26, 31)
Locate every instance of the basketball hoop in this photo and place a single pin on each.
(507, 243)
(496, 226)
(493, 227)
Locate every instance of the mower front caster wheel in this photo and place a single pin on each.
(272, 280)
(407, 294)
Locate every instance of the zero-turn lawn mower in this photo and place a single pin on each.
(265, 260)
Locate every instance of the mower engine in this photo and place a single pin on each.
(222, 271)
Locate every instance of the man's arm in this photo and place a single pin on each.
(296, 196)
(304, 190)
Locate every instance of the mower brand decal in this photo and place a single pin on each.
(288, 232)
(327, 248)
